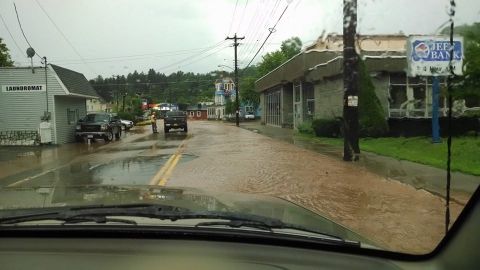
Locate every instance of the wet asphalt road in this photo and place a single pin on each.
(220, 157)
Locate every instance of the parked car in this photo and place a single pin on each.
(249, 116)
(104, 126)
(126, 124)
(173, 120)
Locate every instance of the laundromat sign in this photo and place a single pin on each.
(430, 55)
(23, 88)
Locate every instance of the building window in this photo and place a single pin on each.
(191, 113)
(199, 113)
(72, 116)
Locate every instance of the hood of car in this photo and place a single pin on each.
(192, 199)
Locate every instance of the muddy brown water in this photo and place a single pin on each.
(395, 215)
(220, 157)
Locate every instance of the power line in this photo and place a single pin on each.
(10, 33)
(233, 17)
(243, 14)
(64, 37)
(222, 48)
(258, 33)
(23, 33)
(252, 34)
(190, 58)
(271, 31)
(133, 57)
(146, 83)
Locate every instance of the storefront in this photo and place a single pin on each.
(41, 105)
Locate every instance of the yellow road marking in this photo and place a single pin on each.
(156, 178)
(161, 177)
(165, 177)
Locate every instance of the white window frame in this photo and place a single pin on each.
(199, 113)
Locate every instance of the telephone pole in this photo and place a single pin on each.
(237, 104)
(350, 82)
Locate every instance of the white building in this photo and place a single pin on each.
(224, 89)
(28, 99)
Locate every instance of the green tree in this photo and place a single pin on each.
(229, 107)
(248, 95)
(372, 120)
(468, 85)
(5, 59)
(291, 47)
(270, 61)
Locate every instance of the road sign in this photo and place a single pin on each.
(430, 55)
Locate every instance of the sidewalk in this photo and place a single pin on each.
(417, 175)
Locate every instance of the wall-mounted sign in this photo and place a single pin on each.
(23, 88)
(430, 55)
(352, 101)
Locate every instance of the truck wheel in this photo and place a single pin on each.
(185, 129)
(109, 136)
(166, 129)
(118, 134)
(78, 139)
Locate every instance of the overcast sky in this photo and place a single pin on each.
(110, 37)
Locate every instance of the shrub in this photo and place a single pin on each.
(372, 120)
(327, 127)
(305, 128)
(126, 116)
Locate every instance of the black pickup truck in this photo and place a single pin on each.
(176, 119)
(99, 126)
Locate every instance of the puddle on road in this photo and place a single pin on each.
(139, 147)
(130, 171)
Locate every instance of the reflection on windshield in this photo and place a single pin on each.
(289, 114)
(96, 118)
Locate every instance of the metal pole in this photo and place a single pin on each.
(435, 106)
(350, 81)
(123, 107)
(237, 103)
(46, 85)
(118, 86)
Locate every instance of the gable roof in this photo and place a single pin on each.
(75, 82)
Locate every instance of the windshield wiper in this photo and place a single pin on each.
(276, 225)
(100, 214)
(93, 213)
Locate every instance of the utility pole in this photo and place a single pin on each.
(350, 82)
(117, 92)
(46, 87)
(237, 103)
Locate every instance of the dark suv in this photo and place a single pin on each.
(99, 126)
(176, 119)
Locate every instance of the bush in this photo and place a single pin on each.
(305, 128)
(372, 120)
(327, 128)
(126, 116)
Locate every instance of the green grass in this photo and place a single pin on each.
(465, 150)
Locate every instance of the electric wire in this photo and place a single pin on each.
(11, 36)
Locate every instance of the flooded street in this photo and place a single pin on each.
(220, 157)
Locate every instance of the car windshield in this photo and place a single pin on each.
(358, 119)
(174, 114)
(96, 118)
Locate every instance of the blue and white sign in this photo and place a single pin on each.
(430, 55)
